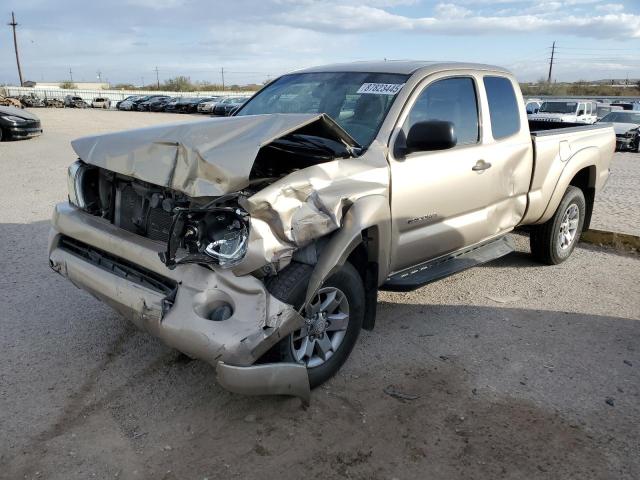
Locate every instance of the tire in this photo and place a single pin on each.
(290, 286)
(0, 134)
(547, 245)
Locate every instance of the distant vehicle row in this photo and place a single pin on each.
(217, 105)
(163, 103)
(624, 116)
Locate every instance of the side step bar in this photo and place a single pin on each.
(427, 272)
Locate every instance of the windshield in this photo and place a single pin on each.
(622, 117)
(558, 107)
(357, 101)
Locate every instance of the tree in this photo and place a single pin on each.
(68, 85)
(178, 84)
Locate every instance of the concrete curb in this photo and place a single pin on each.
(620, 241)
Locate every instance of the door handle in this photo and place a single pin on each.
(480, 166)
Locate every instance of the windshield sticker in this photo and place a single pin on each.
(380, 88)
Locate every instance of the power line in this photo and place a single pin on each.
(14, 24)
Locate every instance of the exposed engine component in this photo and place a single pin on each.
(217, 235)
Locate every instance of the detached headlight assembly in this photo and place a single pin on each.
(75, 179)
(14, 119)
(218, 236)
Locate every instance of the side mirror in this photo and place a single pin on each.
(580, 112)
(431, 135)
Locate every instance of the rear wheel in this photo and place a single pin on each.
(333, 319)
(553, 241)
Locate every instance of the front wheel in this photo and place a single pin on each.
(553, 241)
(333, 319)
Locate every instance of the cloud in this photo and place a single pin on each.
(453, 19)
(610, 7)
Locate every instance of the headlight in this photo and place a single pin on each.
(229, 246)
(13, 119)
(75, 176)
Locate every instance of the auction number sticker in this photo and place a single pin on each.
(380, 88)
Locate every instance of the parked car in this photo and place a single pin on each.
(72, 101)
(290, 223)
(603, 109)
(207, 106)
(159, 104)
(31, 101)
(623, 105)
(228, 105)
(567, 111)
(101, 102)
(53, 103)
(16, 123)
(145, 106)
(127, 102)
(10, 102)
(627, 127)
(178, 105)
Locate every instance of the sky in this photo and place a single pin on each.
(255, 40)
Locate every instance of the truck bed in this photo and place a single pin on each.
(555, 146)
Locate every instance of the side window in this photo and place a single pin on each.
(581, 109)
(503, 107)
(451, 100)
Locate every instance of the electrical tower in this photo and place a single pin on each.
(13, 24)
(157, 77)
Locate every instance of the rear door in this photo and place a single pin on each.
(444, 201)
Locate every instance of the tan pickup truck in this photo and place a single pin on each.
(258, 242)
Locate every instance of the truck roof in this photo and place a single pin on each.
(406, 67)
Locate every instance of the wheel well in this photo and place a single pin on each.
(364, 259)
(585, 180)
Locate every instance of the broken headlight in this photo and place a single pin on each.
(216, 236)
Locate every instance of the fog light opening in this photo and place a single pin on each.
(221, 312)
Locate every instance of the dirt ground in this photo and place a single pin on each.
(513, 370)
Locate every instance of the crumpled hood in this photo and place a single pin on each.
(201, 159)
(622, 128)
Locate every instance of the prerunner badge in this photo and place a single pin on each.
(380, 88)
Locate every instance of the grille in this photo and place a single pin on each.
(119, 267)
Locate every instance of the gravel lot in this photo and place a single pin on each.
(618, 206)
(520, 371)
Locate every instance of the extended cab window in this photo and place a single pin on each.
(503, 107)
(451, 100)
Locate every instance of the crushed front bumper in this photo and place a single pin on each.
(624, 142)
(123, 270)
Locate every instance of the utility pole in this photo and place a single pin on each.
(157, 78)
(70, 74)
(99, 76)
(553, 51)
(222, 73)
(15, 45)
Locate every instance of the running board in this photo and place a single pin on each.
(424, 273)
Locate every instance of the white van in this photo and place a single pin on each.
(568, 111)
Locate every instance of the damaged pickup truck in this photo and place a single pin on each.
(258, 243)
